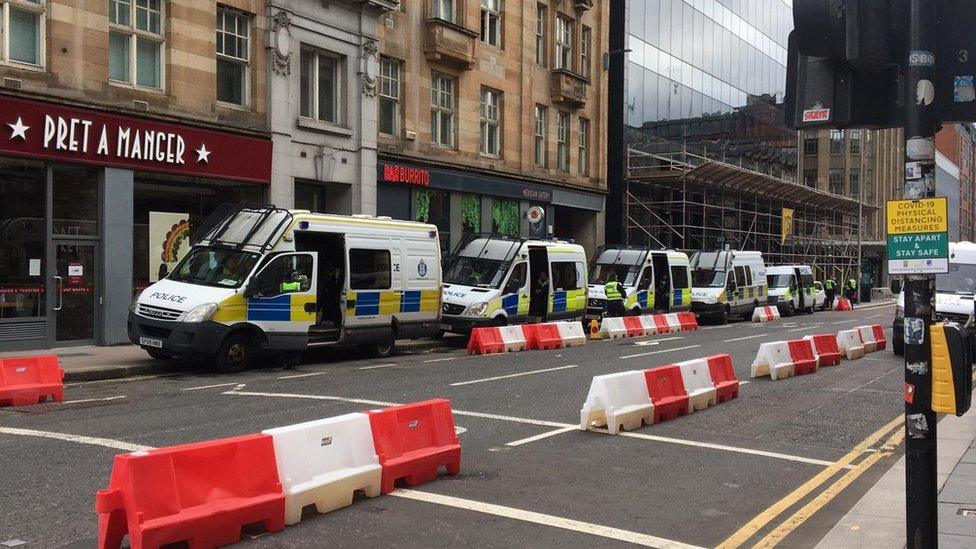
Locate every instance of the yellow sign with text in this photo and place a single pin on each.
(925, 215)
(787, 225)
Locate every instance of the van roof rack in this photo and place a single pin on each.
(239, 225)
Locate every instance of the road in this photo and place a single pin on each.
(782, 463)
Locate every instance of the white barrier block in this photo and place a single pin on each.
(773, 359)
(513, 337)
(867, 336)
(765, 314)
(698, 384)
(613, 328)
(650, 327)
(324, 462)
(674, 323)
(849, 342)
(619, 401)
(571, 333)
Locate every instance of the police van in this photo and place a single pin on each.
(498, 280)
(727, 283)
(267, 279)
(792, 289)
(954, 293)
(654, 280)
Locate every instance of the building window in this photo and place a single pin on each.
(564, 43)
(810, 178)
(562, 141)
(540, 34)
(233, 55)
(810, 143)
(855, 184)
(584, 142)
(491, 22)
(855, 137)
(836, 141)
(389, 96)
(541, 123)
(491, 121)
(443, 9)
(442, 110)
(837, 182)
(585, 39)
(22, 31)
(136, 42)
(320, 86)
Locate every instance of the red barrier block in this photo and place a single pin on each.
(879, 336)
(413, 441)
(827, 350)
(801, 353)
(201, 493)
(544, 337)
(667, 390)
(723, 377)
(688, 322)
(634, 325)
(843, 304)
(661, 321)
(485, 341)
(30, 380)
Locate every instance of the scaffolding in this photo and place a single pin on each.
(693, 202)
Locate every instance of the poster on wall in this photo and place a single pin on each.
(168, 241)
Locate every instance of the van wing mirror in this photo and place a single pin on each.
(896, 286)
(250, 290)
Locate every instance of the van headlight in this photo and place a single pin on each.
(478, 309)
(200, 313)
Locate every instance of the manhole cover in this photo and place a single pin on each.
(47, 407)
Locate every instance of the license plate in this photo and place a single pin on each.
(151, 342)
(446, 327)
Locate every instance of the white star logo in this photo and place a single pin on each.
(203, 155)
(18, 129)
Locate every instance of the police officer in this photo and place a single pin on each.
(851, 288)
(291, 284)
(830, 288)
(615, 296)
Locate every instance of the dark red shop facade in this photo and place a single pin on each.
(95, 206)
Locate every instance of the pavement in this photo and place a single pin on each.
(783, 463)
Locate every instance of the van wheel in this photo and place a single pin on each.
(236, 354)
(159, 355)
(790, 310)
(439, 334)
(724, 317)
(382, 349)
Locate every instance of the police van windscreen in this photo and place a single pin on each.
(215, 267)
(778, 281)
(707, 278)
(961, 279)
(600, 274)
(475, 271)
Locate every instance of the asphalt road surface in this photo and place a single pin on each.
(780, 464)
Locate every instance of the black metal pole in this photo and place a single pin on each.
(921, 494)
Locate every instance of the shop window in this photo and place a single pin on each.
(562, 141)
(75, 200)
(434, 207)
(442, 110)
(505, 218)
(136, 42)
(541, 129)
(566, 276)
(443, 9)
(321, 90)
(389, 96)
(679, 277)
(564, 43)
(585, 40)
(369, 269)
(471, 214)
(23, 233)
(541, 17)
(233, 55)
(22, 25)
(491, 122)
(491, 22)
(584, 140)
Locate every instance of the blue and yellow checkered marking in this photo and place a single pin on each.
(283, 308)
(392, 302)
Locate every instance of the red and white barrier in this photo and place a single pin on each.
(804, 358)
(873, 337)
(571, 333)
(513, 338)
(765, 314)
(849, 342)
(843, 304)
(508, 339)
(617, 401)
(634, 326)
(773, 360)
(825, 347)
(698, 384)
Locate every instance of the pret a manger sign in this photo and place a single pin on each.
(918, 236)
(82, 135)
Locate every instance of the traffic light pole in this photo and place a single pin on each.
(921, 121)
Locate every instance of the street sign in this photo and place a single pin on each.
(918, 236)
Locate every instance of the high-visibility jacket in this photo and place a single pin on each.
(852, 284)
(291, 286)
(612, 289)
(829, 284)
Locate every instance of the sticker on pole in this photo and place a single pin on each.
(918, 236)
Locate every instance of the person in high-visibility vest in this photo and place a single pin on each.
(292, 284)
(851, 289)
(830, 288)
(615, 296)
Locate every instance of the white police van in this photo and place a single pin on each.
(267, 279)
(654, 280)
(792, 288)
(498, 280)
(727, 283)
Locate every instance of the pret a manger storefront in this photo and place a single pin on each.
(95, 206)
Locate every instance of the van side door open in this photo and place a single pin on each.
(282, 299)
(662, 282)
(540, 284)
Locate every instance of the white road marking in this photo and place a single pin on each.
(874, 316)
(94, 400)
(661, 351)
(378, 366)
(657, 341)
(299, 376)
(121, 380)
(716, 327)
(744, 383)
(547, 434)
(843, 322)
(440, 360)
(627, 536)
(106, 442)
(744, 338)
(810, 327)
(510, 376)
(208, 387)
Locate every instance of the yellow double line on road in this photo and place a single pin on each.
(777, 535)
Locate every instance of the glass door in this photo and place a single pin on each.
(74, 304)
